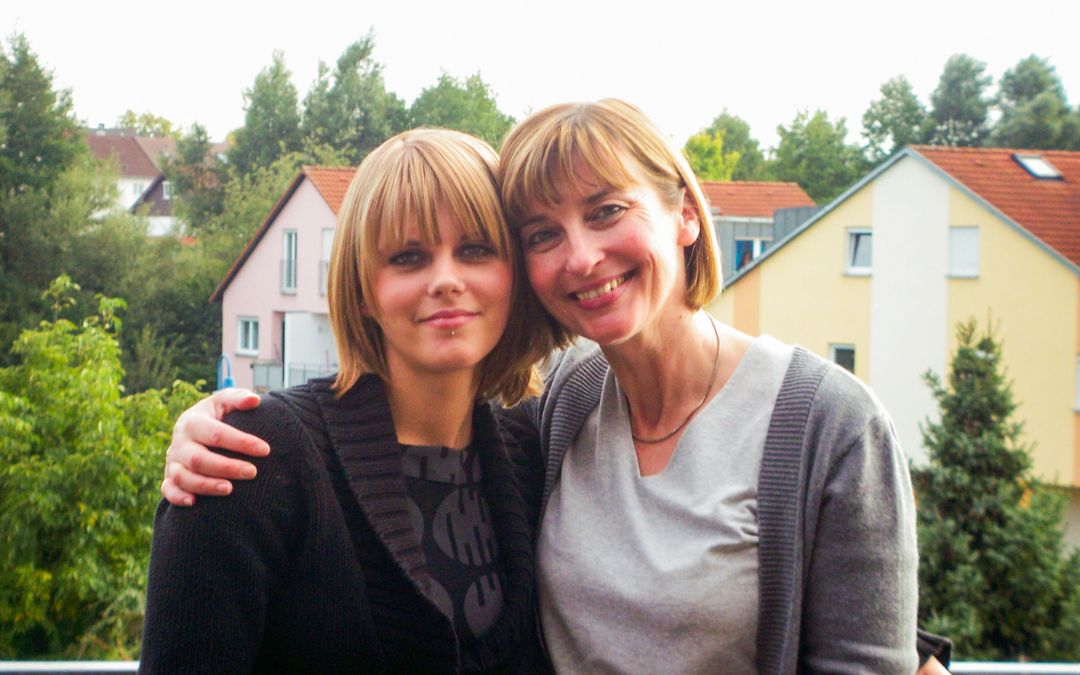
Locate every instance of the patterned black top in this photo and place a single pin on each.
(450, 514)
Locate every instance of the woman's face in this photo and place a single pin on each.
(605, 262)
(441, 307)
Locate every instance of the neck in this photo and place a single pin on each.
(432, 409)
(667, 370)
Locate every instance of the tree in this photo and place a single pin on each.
(196, 175)
(466, 105)
(737, 139)
(1034, 111)
(814, 153)
(894, 120)
(705, 152)
(959, 106)
(992, 571)
(350, 109)
(271, 119)
(79, 467)
(42, 136)
(147, 124)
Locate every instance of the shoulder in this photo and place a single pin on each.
(580, 366)
(283, 418)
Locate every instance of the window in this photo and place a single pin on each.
(248, 336)
(137, 189)
(324, 263)
(843, 355)
(859, 251)
(1038, 166)
(748, 250)
(166, 190)
(288, 262)
(964, 252)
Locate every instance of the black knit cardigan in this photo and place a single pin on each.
(314, 567)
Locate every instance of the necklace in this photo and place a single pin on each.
(712, 383)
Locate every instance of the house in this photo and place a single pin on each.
(879, 279)
(750, 215)
(275, 326)
(140, 185)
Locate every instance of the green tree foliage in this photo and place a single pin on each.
(895, 120)
(814, 153)
(1034, 111)
(197, 177)
(350, 109)
(79, 466)
(737, 139)
(466, 105)
(705, 152)
(42, 139)
(959, 105)
(992, 572)
(147, 124)
(271, 119)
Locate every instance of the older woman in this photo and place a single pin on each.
(386, 532)
(711, 502)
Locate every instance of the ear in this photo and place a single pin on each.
(689, 224)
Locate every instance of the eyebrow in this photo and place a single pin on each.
(589, 200)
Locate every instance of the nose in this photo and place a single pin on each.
(446, 277)
(582, 253)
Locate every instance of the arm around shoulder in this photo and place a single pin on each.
(214, 566)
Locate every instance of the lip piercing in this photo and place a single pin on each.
(453, 333)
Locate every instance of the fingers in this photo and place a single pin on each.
(183, 483)
(227, 400)
(203, 429)
(174, 495)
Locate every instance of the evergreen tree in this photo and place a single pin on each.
(992, 572)
(959, 105)
(271, 119)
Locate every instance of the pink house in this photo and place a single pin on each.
(275, 327)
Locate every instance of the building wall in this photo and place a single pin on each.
(1031, 299)
(256, 289)
(908, 293)
(129, 189)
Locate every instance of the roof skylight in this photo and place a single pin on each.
(1037, 166)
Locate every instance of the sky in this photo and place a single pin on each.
(682, 61)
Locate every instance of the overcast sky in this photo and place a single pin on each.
(682, 61)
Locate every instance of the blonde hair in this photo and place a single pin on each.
(404, 181)
(542, 150)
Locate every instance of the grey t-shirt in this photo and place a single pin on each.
(659, 573)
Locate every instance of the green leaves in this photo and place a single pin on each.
(79, 467)
(705, 152)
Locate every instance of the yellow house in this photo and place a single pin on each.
(879, 279)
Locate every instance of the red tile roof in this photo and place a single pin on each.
(1048, 208)
(157, 148)
(127, 151)
(754, 199)
(331, 183)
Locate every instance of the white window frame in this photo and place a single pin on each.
(166, 190)
(836, 346)
(289, 248)
(963, 263)
(1038, 166)
(244, 346)
(854, 235)
(760, 245)
(324, 262)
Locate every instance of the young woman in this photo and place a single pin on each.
(711, 502)
(387, 531)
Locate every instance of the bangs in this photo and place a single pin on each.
(558, 147)
(424, 179)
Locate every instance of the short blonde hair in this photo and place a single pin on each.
(541, 151)
(403, 181)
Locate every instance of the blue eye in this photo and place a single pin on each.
(537, 238)
(607, 211)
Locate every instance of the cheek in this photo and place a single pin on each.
(542, 271)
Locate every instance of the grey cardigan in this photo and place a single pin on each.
(836, 516)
